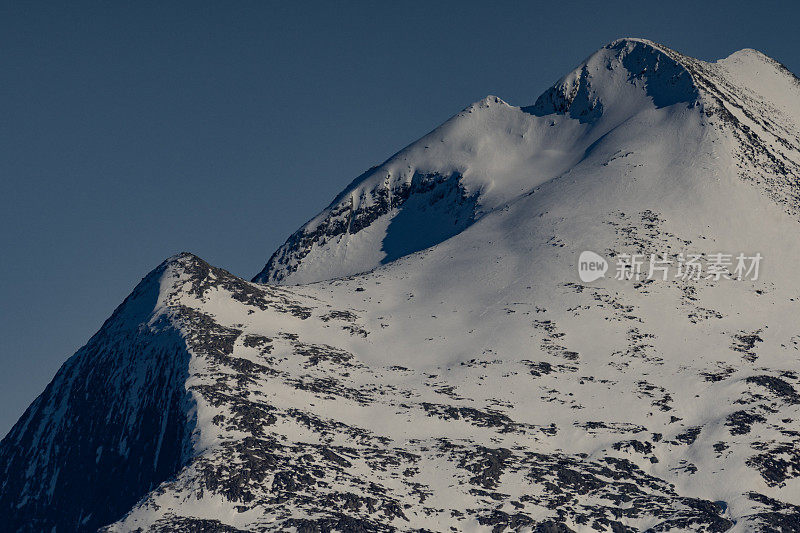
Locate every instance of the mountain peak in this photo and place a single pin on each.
(747, 54)
(182, 260)
(488, 101)
(636, 41)
(618, 75)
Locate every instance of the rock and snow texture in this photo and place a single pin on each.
(631, 98)
(448, 371)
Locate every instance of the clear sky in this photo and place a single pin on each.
(130, 131)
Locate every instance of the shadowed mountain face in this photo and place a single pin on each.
(436, 209)
(110, 427)
(447, 369)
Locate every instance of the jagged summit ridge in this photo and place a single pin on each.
(596, 83)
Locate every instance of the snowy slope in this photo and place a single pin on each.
(630, 93)
(448, 370)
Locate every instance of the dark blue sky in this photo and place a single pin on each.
(134, 130)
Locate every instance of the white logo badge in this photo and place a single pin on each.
(591, 266)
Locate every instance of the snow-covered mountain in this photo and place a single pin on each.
(422, 355)
(632, 97)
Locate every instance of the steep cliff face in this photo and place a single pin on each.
(448, 369)
(113, 424)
